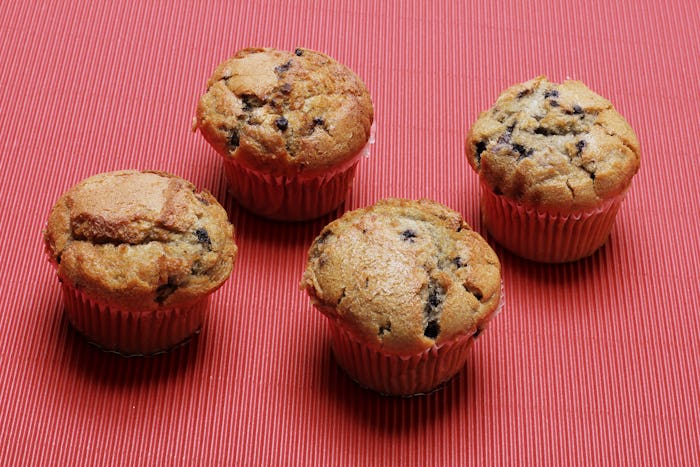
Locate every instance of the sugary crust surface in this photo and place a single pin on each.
(561, 147)
(285, 112)
(403, 275)
(140, 240)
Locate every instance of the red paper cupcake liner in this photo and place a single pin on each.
(132, 333)
(292, 198)
(401, 375)
(544, 236)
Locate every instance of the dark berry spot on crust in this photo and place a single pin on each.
(251, 102)
(203, 200)
(384, 328)
(522, 152)
(434, 299)
(408, 235)
(579, 147)
(577, 109)
(553, 103)
(232, 138)
(480, 147)
(282, 123)
(431, 311)
(318, 121)
(540, 130)
(432, 329)
(165, 290)
(551, 93)
(323, 237)
(457, 261)
(524, 93)
(286, 88)
(203, 237)
(284, 67)
(298, 52)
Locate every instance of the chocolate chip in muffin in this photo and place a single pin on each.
(540, 130)
(384, 328)
(284, 67)
(480, 147)
(436, 295)
(232, 138)
(203, 237)
(408, 235)
(165, 290)
(196, 268)
(506, 136)
(282, 123)
(324, 235)
(432, 329)
(458, 261)
(522, 151)
(251, 102)
(551, 93)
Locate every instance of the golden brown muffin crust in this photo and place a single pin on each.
(403, 275)
(556, 146)
(140, 239)
(285, 112)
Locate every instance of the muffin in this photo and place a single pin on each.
(137, 255)
(406, 286)
(290, 126)
(555, 162)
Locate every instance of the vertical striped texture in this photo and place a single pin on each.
(590, 363)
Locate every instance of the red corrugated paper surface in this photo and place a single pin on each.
(594, 362)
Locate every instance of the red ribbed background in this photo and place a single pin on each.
(595, 362)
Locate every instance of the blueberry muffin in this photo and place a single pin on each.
(138, 254)
(290, 127)
(554, 161)
(406, 286)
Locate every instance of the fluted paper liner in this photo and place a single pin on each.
(130, 332)
(544, 236)
(292, 198)
(402, 375)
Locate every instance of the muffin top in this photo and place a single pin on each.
(560, 147)
(285, 113)
(403, 275)
(140, 240)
